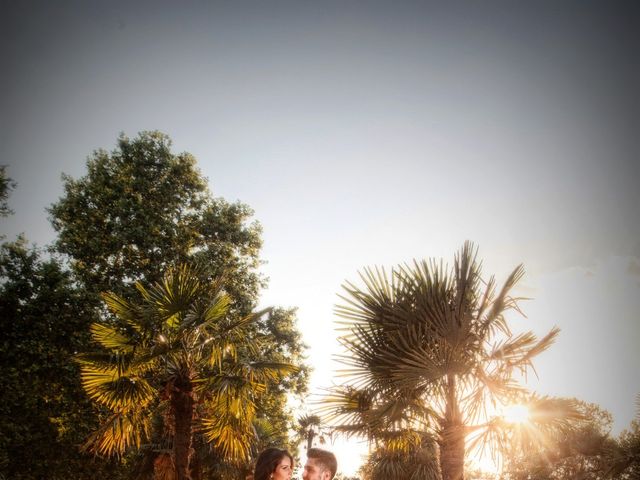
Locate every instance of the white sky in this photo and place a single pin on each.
(369, 133)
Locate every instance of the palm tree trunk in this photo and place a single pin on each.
(195, 465)
(452, 451)
(452, 436)
(182, 405)
(310, 435)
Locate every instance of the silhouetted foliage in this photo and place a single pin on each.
(582, 449)
(428, 350)
(44, 414)
(6, 186)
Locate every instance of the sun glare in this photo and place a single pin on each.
(516, 414)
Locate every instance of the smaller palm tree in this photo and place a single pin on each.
(309, 428)
(177, 361)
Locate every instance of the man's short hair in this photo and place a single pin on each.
(325, 458)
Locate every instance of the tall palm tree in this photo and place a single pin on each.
(179, 359)
(429, 350)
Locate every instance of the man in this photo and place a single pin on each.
(321, 465)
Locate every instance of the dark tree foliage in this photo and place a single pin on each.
(44, 415)
(6, 185)
(625, 459)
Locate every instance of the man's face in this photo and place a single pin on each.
(315, 471)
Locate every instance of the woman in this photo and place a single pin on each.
(273, 464)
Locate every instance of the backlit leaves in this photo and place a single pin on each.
(425, 341)
(179, 339)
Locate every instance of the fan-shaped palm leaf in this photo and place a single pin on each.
(109, 337)
(119, 432)
(116, 392)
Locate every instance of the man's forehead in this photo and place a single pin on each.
(313, 463)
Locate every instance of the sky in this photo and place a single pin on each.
(368, 133)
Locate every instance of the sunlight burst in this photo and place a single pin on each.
(516, 414)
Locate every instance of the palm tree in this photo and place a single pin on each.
(429, 350)
(309, 427)
(176, 360)
(402, 455)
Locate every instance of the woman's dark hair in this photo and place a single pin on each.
(268, 461)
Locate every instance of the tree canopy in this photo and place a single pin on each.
(140, 209)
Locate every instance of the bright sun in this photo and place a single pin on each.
(516, 413)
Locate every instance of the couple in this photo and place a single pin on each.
(276, 464)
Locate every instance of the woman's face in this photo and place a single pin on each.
(283, 470)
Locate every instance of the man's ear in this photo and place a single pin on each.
(326, 474)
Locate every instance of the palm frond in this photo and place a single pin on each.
(230, 427)
(306, 421)
(554, 412)
(172, 297)
(119, 432)
(512, 349)
(118, 393)
(123, 309)
(543, 344)
(109, 337)
(216, 310)
(494, 320)
(417, 460)
(268, 371)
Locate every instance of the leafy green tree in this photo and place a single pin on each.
(177, 355)
(429, 348)
(580, 448)
(44, 414)
(140, 209)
